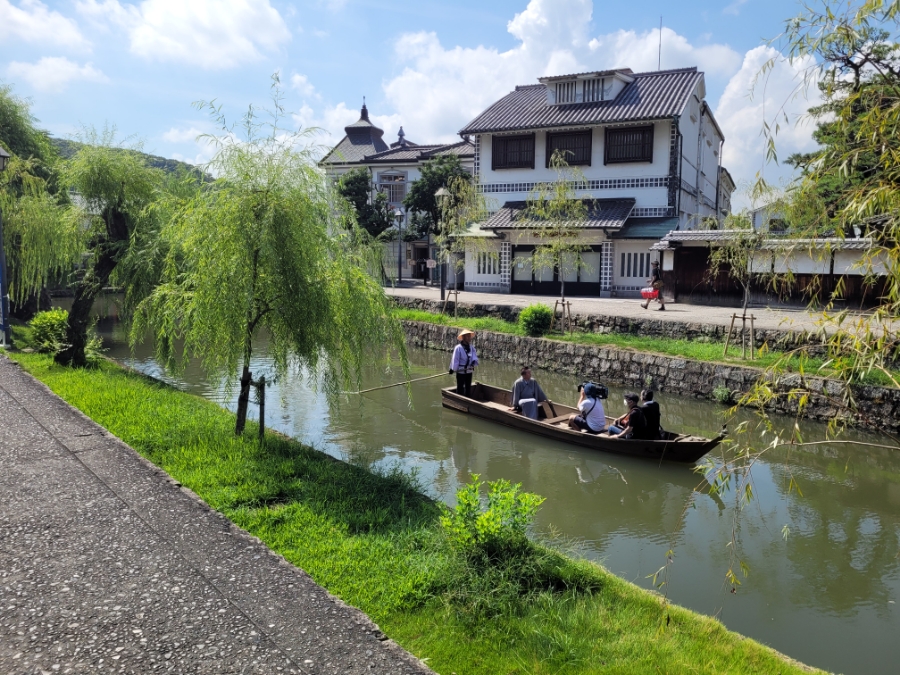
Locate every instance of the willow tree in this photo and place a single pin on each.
(116, 190)
(558, 215)
(264, 248)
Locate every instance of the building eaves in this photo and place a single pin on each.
(646, 228)
(602, 213)
(651, 96)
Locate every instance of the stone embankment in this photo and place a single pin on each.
(879, 407)
(638, 325)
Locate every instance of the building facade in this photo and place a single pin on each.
(393, 168)
(649, 150)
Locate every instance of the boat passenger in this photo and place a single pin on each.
(463, 362)
(632, 424)
(652, 414)
(527, 395)
(593, 417)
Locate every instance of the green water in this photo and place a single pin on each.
(827, 595)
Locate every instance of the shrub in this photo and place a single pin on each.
(723, 394)
(536, 319)
(48, 330)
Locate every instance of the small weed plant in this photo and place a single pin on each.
(48, 330)
(723, 394)
(536, 319)
(496, 569)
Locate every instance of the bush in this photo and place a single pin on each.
(48, 330)
(723, 394)
(536, 319)
(496, 569)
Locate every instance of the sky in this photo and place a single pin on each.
(428, 66)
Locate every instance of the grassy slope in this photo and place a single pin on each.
(688, 349)
(375, 542)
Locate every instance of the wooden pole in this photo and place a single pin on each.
(743, 336)
(396, 384)
(262, 407)
(752, 338)
(728, 336)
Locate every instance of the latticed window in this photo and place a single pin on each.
(592, 90)
(629, 144)
(393, 185)
(566, 92)
(575, 147)
(488, 263)
(512, 152)
(635, 265)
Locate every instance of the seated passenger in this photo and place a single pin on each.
(527, 395)
(593, 417)
(632, 424)
(652, 414)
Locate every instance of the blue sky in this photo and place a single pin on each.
(430, 66)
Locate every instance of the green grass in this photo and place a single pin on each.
(711, 352)
(375, 541)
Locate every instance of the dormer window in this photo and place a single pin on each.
(593, 90)
(581, 91)
(567, 92)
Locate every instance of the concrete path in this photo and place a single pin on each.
(766, 318)
(109, 566)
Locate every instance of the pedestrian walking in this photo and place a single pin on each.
(656, 283)
(463, 362)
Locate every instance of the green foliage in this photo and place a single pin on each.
(20, 135)
(372, 210)
(48, 330)
(376, 543)
(723, 394)
(437, 172)
(67, 149)
(536, 319)
(261, 249)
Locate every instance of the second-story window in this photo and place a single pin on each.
(629, 144)
(512, 152)
(393, 185)
(575, 147)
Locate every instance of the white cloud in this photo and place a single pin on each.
(743, 108)
(302, 84)
(33, 22)
(54, 73)
(176, 135)
(332, 120)
(735, 7)
(440, 89)
(211, 34)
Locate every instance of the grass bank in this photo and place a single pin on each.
(377, 543)
(697, 350)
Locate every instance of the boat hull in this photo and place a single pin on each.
(492, 403)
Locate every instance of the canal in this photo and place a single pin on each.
(827, 593)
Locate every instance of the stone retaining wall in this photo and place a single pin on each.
(604, 323)
(879, 406)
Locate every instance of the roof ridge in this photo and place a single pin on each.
(685, 69)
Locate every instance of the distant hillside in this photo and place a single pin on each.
(67, 150)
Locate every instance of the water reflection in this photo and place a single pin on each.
(826, 595)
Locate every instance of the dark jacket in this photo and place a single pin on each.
(653, 417)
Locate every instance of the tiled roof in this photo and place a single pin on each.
(650, 96)
(355, 149)
(646, 228)
(404, 154)
(463, 149)
(774, 242)
(401, 154)
(601, 213)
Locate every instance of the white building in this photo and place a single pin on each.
(392, 168)
(650, 151)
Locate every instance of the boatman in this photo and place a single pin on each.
(527, 395)
(463, 362)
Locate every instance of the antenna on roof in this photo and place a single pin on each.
(659, 57)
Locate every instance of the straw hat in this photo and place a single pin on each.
(464, 332)
(654, 262)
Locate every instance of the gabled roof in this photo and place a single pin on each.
(601, 213)
(653, 95)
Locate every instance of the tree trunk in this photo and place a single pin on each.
(243, 401)
(39, 301)
(107, 253)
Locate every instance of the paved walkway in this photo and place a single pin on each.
(779, 318)
(108, 565)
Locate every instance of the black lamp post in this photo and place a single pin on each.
(4, 288)
(441, 195)
(398, 214)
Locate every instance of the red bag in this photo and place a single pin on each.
(649, 293)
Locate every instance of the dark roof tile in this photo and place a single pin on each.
(601, 213)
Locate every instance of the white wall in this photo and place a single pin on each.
(637, 257)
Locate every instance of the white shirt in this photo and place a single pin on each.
(596, 418)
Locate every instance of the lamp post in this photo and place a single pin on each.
(4, 288)
(441, 195)
(398, 214)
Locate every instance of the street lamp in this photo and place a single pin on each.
(441, 195)
(398, 214)
(4, 289)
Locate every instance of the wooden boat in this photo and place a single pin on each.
(492, 403)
